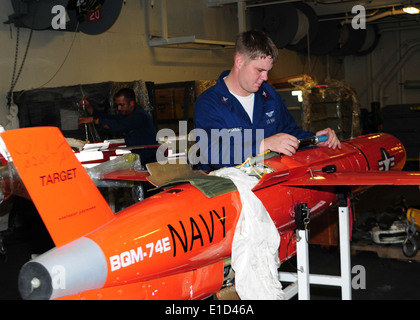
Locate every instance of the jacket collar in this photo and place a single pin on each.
(229, 100)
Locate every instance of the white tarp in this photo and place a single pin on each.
(255, 244)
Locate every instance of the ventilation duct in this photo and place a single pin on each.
(287, 24)
(294, 25)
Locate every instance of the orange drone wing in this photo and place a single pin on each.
(66, 198)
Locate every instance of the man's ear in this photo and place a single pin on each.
(239, 61)
(132, 103)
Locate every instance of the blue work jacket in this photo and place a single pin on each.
(217, 109)
(138, 130)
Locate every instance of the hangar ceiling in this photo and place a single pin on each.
(341, 8)
(331, 27)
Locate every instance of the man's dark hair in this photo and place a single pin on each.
(255, 44)
(127, 93)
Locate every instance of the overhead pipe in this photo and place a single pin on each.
(411, 84)
(394, 70)
(372, 17)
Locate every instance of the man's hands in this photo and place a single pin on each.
(287, 144)
(85, 120)
(84, 103)
(89, 110)
(281, 142)
(332, 141)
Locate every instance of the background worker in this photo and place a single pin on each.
(243, 100)
(131, 120)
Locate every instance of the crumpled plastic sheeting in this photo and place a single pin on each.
(333, 104)
(255, 243)
(124, 162)
(12, 118)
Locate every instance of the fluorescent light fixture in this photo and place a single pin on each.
(298, 93)
(411, 8)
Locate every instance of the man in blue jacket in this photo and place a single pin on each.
(131, 120)
(242, 115)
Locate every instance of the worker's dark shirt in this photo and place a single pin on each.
(138, 130)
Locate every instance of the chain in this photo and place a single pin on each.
(9, 94)
(14, 76)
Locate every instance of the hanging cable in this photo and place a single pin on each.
(62, 64)
(15, 77)
(65, 58)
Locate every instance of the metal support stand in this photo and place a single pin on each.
(302, 256)
(302, 280)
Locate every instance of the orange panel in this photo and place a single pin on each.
(62, 191)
